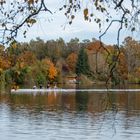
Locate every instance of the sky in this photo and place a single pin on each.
(52, 26)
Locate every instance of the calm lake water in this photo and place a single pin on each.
(70, 116)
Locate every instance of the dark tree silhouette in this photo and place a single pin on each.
(82, 66)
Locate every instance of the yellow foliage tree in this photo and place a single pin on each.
(71, 61)
(26, 59)
(122, 66)
(4, 63)
(52, 72)
(49, 68)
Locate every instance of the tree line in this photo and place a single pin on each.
(39, 62)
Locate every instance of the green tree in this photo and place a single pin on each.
(82, 66)
(40, 79)
(18, 75)
(2, 81)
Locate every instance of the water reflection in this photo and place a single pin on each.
(76, 101)
(73, 115)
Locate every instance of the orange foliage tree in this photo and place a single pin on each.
(49, 68)
(95, 46)
(4, 59)
(122, 67)
(26, 59)
(4, 63)
(71, 61)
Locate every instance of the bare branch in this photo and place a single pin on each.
(119, 4)
(10, 33)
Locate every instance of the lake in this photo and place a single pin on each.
(70, 116)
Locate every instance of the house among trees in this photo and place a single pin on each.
(71, 79)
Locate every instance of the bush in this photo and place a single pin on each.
(8, 77)
(40, 79)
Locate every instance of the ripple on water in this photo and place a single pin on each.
(68, 118)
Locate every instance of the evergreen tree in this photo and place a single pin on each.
(82, 66)
(2, 81)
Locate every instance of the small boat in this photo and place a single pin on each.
(72, 90)
(36, 90)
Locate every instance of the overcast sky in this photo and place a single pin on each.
(55, 26)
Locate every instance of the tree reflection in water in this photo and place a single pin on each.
(105, 109)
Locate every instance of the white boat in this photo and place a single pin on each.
(36, 90)
(72, 90)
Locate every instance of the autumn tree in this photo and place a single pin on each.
(49, 69)
(132, 53)
(27, 58)
(71, 61)
(73, 45)
(122, 67)
(4, 63)
(96, 52)
(4, 59)
(54, 47)
(38, 47)
(13, 51)
(52, 72)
